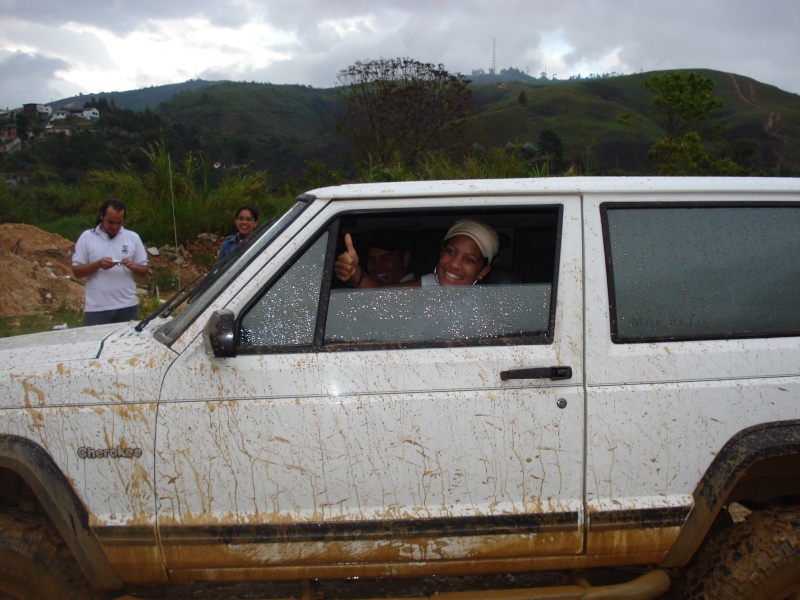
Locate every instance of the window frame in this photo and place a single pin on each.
(333, 226)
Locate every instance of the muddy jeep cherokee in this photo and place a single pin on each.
(620, 395)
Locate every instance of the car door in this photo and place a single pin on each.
(377, 432)
(692, 328)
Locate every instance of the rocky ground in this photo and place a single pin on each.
(37, 277)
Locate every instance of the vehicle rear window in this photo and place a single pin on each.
(684, 272)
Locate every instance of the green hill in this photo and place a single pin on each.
(137, 100)
(273, 127)
(606, 124)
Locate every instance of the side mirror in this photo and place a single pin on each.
(219, 334)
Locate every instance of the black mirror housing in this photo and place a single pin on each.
(219, 334)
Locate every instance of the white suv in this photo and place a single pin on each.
(634, 385)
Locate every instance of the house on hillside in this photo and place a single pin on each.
(11, 146)
(40, 110)
(8, 132)
(90, 114)
(64, 128)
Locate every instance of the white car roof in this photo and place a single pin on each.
(559, 185)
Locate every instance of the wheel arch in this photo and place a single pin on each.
(59, 503)
(758, 464)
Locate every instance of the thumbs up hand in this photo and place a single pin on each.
(346, 266)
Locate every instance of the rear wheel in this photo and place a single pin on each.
(34, 561)
(758, 559)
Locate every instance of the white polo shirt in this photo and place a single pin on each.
(114, 288)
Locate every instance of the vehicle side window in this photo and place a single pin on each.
(427, 314)
(703, 272)
(516, 307)
(286, 314)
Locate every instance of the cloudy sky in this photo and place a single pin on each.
(54, 49)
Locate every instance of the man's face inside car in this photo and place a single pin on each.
(387, 266)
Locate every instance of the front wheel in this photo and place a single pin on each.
(758, 559)
(35, 564)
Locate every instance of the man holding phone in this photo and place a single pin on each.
(109, 256)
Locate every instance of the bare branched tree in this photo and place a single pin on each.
(396, 108)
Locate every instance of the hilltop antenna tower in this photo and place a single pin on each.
(494, 56)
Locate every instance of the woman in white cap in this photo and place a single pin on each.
(467, 252)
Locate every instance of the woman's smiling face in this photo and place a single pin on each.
(245, 223)
(461, 262)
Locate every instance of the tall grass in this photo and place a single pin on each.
(491, 163)
(70, 227)
(182, 197)
(480, 163)
(179, 199)
(38, 204)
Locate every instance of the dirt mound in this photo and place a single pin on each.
(36, 271)
(37, 274)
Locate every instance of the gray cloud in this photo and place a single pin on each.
(122, 16)
(310, 41)
(31, 75)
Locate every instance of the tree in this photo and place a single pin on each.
(685, 100)
(550, 144)
(397, 108)
(681, 155)
(522, 98)
(23, 123)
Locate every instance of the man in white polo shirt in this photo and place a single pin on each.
(109, 256)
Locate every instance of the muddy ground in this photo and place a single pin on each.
(517, 586)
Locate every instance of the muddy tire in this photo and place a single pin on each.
(758, 559)
(35, 563)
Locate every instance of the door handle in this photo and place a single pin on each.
(559, 372)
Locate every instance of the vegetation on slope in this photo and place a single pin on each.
(286, 135)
